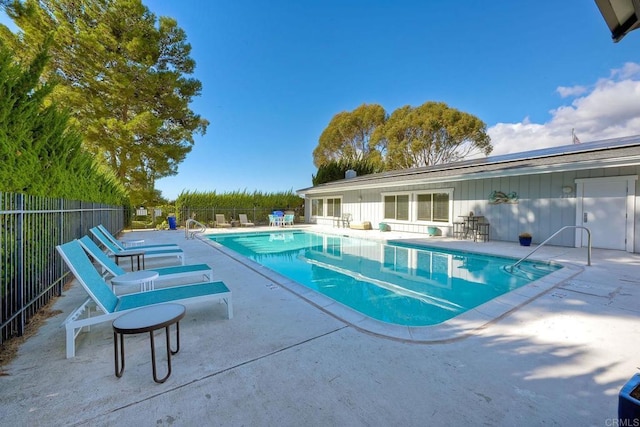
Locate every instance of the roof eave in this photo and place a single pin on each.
(498, 173)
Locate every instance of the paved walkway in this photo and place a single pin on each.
(560, 359)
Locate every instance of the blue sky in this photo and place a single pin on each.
(275, 72)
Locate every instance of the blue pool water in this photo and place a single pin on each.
(391, 282)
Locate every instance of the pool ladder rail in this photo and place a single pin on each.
(190, 233)
(554, 235)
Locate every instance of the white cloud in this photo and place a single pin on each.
(608, 109)
(571, 91)
(628, 71)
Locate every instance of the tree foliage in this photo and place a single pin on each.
(431, 134)
(336, 169)
(122, 75)
(368, 141)
(348, 136)
(40, 153)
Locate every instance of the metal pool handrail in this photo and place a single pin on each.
(554, 235)
(191, 233)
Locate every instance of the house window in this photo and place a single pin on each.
(334, 246)
(333, 207)
(317, 207)
(396, 259)
(396, 207)
(433, 207)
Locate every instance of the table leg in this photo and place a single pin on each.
(177, 339)
(169, 352)
(118, 367)
(153, 357)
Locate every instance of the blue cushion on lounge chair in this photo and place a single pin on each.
(159, 296)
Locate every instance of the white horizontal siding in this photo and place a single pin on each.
(542, 208)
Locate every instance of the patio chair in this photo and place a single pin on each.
(160, 252)
(244, 222)
(112, 305)
(288, 219)
(346, 220)
(273, 221)
(221, 221)
(165, 273)
(131, 244)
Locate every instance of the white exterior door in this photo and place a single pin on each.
(605, 207)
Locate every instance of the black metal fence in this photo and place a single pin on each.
(31, 271)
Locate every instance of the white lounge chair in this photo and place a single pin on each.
(244, 222)
(112, 305)
(221, 221)
(165, 273)
(160, 252)
(131, 244)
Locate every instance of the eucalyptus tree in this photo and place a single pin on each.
(431, 134)
(348, 136)
(123, 75)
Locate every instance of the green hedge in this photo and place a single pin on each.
(40, 153)
(256, 205)
(239, 200)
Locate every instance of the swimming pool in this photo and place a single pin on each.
(391, 282)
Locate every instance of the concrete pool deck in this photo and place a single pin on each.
(559, 359)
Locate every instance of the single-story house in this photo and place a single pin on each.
(589, 185)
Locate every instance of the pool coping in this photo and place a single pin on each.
(459, 327)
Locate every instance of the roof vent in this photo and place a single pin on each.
(350, 174)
